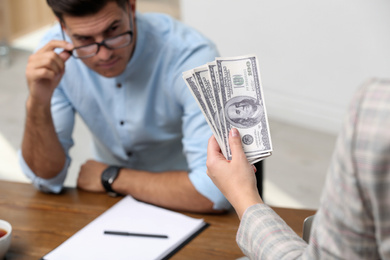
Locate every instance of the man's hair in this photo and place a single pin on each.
(80, 7)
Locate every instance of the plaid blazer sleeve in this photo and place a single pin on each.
(353, 220)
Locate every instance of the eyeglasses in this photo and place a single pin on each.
(119, 41)
(112, 43)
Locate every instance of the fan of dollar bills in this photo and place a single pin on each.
(229, 93)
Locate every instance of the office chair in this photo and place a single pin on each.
(307, 223)
(260, 176)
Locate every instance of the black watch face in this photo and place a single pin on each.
(107, 175)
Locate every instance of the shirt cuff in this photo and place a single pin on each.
(53, 185)
(263, 234)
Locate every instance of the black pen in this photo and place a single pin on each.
(121, 233)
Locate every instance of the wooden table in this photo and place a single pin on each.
(41, 222)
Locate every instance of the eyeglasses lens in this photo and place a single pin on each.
(116, 42)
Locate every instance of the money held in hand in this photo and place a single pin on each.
(229, 93)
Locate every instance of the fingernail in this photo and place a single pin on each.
(234, 132)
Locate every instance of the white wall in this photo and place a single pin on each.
(313, 54)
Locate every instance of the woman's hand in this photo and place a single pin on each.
(235, 178)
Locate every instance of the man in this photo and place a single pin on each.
(121, 71)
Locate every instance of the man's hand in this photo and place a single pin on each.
(45, 69)
(90, 176)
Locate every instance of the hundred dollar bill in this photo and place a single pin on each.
(202, 76)
(243, 104)
(213, 72)
(189, 78)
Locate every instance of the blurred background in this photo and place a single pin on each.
(313, 56)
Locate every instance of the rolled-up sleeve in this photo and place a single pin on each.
(196, 131)
(63, 118)
(53, 185)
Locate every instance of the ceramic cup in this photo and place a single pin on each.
(5, 241)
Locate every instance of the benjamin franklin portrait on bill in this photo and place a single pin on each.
(243, 111)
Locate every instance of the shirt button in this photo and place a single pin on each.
(129, 154)
(118, 85)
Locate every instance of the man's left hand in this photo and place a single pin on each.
(90, 176)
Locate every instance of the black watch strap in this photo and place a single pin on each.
(108, 177)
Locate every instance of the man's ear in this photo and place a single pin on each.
(132, 5)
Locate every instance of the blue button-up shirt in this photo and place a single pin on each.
(145, 118)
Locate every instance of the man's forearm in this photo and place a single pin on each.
(41, 148)
(172, 190)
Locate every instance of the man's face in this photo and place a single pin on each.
(241, 110)
(111, 21)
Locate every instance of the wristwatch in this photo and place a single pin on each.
(108, 177)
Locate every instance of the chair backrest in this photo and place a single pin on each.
(307, 228)
(259, 177)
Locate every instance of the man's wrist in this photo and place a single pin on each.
(37, 103)
(38, 112)
(109, 175)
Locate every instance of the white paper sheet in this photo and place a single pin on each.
(128, 215)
